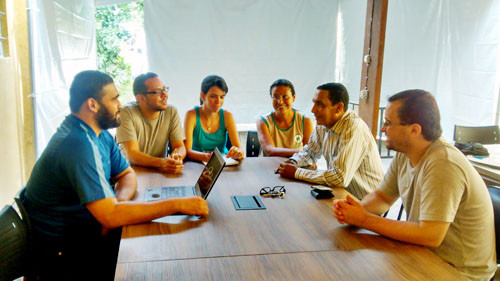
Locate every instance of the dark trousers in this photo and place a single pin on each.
(90, 258)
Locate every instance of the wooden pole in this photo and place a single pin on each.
(373, 58)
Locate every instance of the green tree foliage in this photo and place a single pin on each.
(111, 36)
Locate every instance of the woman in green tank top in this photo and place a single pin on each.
(209, 126)
(284, 131)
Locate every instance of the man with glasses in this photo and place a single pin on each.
(345, 142)
(149, 124)
(447, 204)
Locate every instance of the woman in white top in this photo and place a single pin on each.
(284, 131)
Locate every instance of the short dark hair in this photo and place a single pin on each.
(336, 93)
(211, 81)
(420, 107)
(139, 85)
(87, 84)
(282, 82)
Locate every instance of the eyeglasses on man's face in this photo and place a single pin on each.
(159, 91)
(277, 191)
(388, 123)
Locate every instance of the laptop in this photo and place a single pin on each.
(202, 187)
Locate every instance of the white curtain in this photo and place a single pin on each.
(448, 47)
(250, 43)
(62, 44)
(352, 14)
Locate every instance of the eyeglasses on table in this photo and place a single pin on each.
(276, 191)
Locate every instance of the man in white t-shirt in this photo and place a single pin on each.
(447, 203)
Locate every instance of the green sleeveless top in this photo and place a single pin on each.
(290, 137)
(203, 141)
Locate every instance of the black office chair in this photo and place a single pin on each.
(14, 245)
(19, 202)
(482, 135)
(253, 144)
(495, 198)
(228, 142)
(400, 214)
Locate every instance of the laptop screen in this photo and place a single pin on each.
(210, 173)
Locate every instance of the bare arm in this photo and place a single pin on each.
(178, 150)
(111, 213)
(236, 151)
(135, 156)
(267, 143)
(189, 124)
(424, 233)
(126, 185)
(378, 202)
(308, 129)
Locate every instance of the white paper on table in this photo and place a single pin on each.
(230, 161)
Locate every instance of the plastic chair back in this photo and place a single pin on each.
(253, 144)
(482, 135)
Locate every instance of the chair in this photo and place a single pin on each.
(495, 198)
(253, 144)
(482, 135)
(14, 245)
(401, 209)
(228, 142)
(169, 148)
(19, 202)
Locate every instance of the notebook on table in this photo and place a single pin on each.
(202, 187)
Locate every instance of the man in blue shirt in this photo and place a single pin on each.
(75, 212)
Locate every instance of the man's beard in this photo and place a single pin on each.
(157, 107)
(106, 120)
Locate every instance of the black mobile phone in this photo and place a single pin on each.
(321, 192)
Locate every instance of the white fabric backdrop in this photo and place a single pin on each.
(352, 15)
(62, 44)
(250, 43)
(448, 47)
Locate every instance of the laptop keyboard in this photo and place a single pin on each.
(175, 191)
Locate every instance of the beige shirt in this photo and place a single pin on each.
(152, 135)
(291, 137)
(445, 187)
(351, 156)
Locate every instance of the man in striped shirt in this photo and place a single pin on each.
(345, 142)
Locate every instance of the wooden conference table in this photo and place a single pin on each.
(294, 238)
